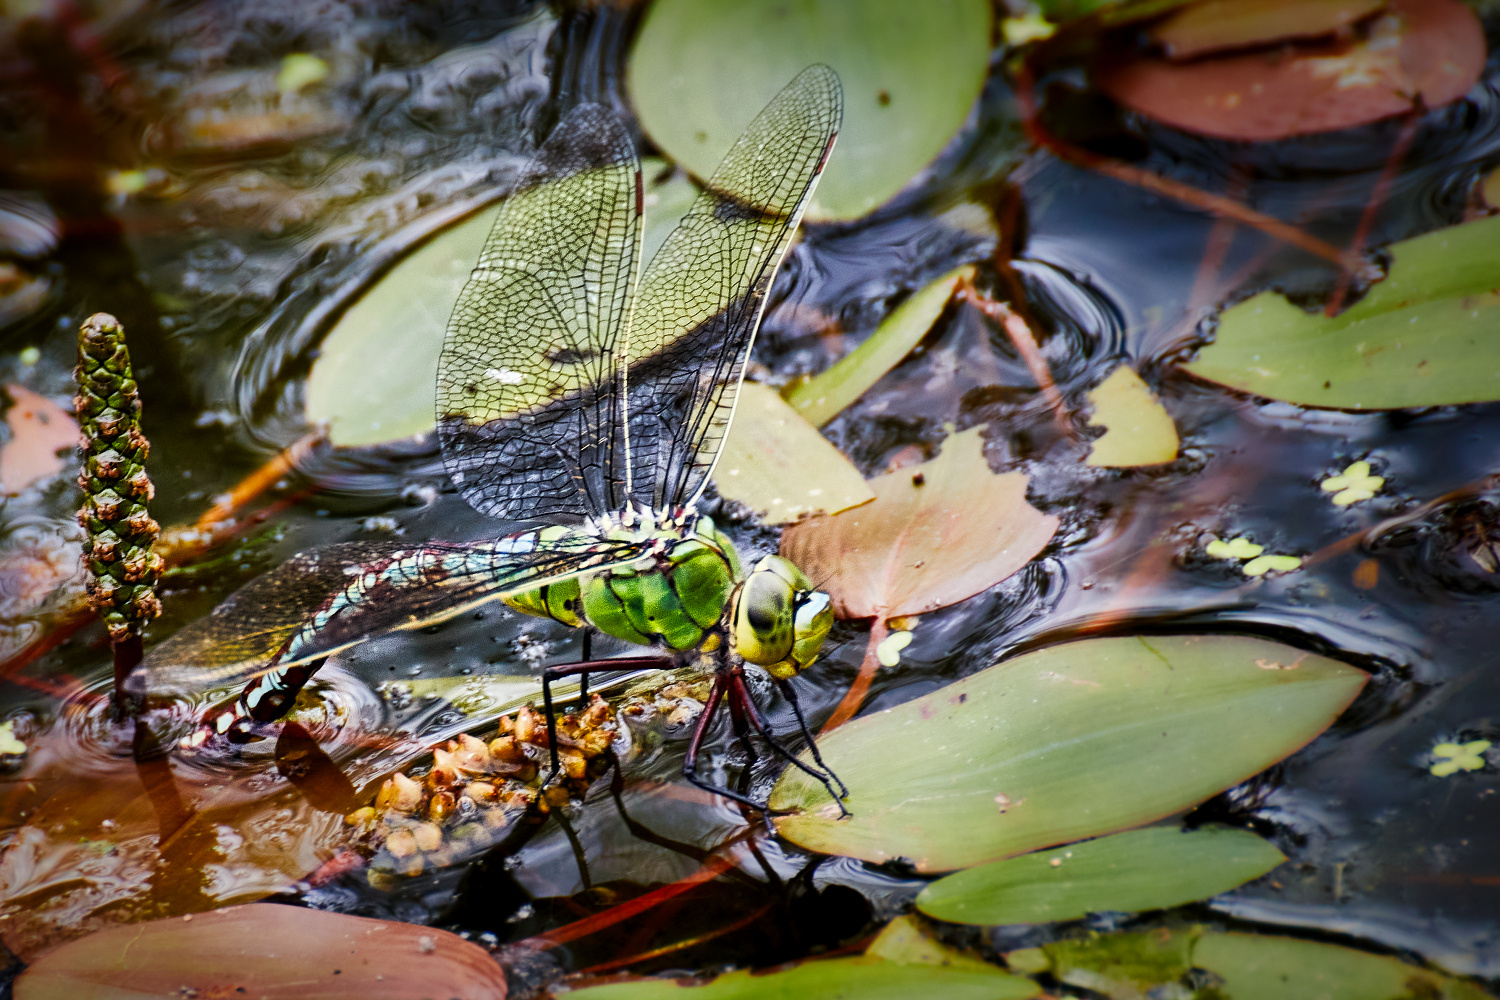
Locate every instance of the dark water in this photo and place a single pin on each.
(223, 272)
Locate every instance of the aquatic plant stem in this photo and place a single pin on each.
(1026, 346)
(868, 668)
(1382, 187)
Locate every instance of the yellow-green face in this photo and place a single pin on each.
(778, 620)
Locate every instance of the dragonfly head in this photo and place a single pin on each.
(778, 619)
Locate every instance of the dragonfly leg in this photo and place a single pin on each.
(740, 691)
(790, 693)
(583, 669)
(695, 747)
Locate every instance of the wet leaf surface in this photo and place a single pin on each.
(778, 465)
(1139, 870)
(1138, 430)
(1422, 337)
(698, 72)
(263, 949)
(1428, 49)
(1063, 743)
(1216, 25)
(42, 438)
(936, 533)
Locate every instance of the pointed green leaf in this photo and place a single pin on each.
(1061, 744)
(1139, 870)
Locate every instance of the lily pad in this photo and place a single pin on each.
(911, 73)
(1061, 744)
(821, 398)
(778, 464)
(1139, 431)
(936, 534)
(1218, 25)
(1422, 337)
(1139, 870)
(264, 949)
(373, 379)
(899, 964)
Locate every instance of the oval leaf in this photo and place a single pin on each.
(777, 463)
(936, 534)
(1139, 431)
(1428, 49)
(1139, 870)
(1422, 337)
(911, 72)
(1061, 744)
(264, 949)
(863, 977)
(821, 398)
(1218, 25)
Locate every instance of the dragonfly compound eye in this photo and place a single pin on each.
(764, 616)
(813, 619)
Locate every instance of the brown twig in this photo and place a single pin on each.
(1377, 197)
(1026, 346)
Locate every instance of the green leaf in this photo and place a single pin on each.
(821, 398)
(374, 377)
(1139, 870)
(778, 464)
(699, 72)
(1061, 744)
(1422, 337)
(1138, 429)
(860, 977)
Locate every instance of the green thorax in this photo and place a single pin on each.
(672, 598)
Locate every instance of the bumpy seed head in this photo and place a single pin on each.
(778, 620)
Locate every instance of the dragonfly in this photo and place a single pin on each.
(580, 392)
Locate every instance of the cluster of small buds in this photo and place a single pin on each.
(474, 791)
(123, 569)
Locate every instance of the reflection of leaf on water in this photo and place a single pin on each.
(1063, 743)
(264, 949)
(1150, 869)
(1422, 337)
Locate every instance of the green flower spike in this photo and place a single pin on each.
(1459, 757)
(1353, 485)
(122, 568)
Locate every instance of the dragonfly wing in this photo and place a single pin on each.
(702, 295)
(529, 382)
(329, 599)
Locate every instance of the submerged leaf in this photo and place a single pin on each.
(1140, 870)
(39, 430)
(264, 949)
(1060, 744)
(777, 464)
(821, 398)
(936, 534)
(1422, 337)
(911, 73)
(1138, 430)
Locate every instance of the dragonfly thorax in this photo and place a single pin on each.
(688, 590)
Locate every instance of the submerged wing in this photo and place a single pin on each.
(701, 298)
(529, 383)
(320, 602)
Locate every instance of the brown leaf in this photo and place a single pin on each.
(1434, 49)
(265, 949)
(935, 534)
(39, 429)
(1217, 25)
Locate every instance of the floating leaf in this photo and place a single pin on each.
(1422, 337)
(1261, 565)
(1139, 870)
(264, 949)
(1243, 966)
(936, 534)
(1459, 757)
(899, 964)
(39, 430)
(1418, 54)
(821, 398)
(1063, 743)
(1353, 484)
(911, 73)
(374, 376)
(1216, 25)
(1139, 431)
(1235, 548)
(778, 464)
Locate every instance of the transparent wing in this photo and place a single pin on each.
(702, 295)
(529, 382)
(320, 602)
